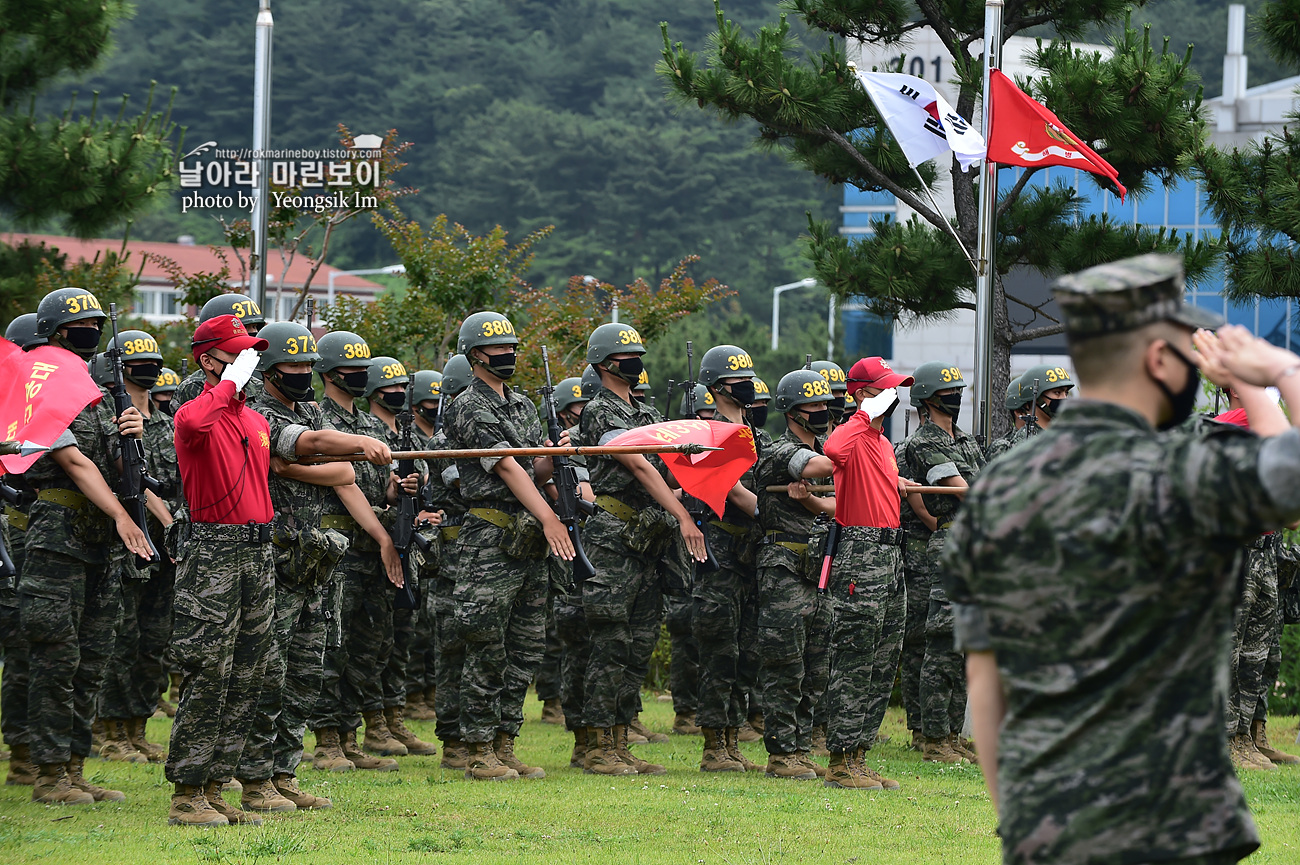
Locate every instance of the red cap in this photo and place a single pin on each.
(227, 333)
(874, 372)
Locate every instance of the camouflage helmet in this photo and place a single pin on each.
(642, 383)
(703, 400)
(241, 306)
(485, 328)
(287, 342)
(101, 370)
(801, 387)
(834, 375)
(1037, 380)
(136, 345)
(341, 348)
(761, 391)
(426, 385)
(167, 381)
(850, 406)
(456, 375)
(613, 338)
(934, 376)
(64, 305)
(384, 371)
(725, 361)
(568, 392)
(1016, 398)
(591, 382)
(22, 330)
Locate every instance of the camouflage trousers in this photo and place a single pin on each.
(575, 654)
(498, 604)
(623, 604)
(1258, 624)
(69, 610)
(869, 604)
(15, 679)
(794, 629)
(352, 681)
(421, 669)
(916, 576)
(451, 647)
(684, 669)
(294, 667)
(943, 675)
(397, 670)
(221, 638)
(548, 672)
(718, 600)
(135, 674)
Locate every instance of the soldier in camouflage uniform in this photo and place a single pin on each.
(68, 601)
(421, 672)
(916, 577)
(941, 454)
(622, 601)
(1015, 404)
(1097, 701)
(1046, 387)
(352, 689)
(13, 684)
(164, 388)
(246, 310)
(833, 374)
(131, 682)
(793, 620)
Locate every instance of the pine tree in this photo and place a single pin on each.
(1138, 108)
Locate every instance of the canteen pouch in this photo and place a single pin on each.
(649, 532)
(306, 555)
(426, 550)
(1288, 582)
(523, 537)
(811, 561)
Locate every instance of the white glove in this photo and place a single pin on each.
(240, 370)
(879, 404)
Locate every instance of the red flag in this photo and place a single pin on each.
(45, 389)
(708, 476)
(1024, 132)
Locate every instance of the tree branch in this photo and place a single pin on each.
(1014, 192)
(1037, 310)
(935, 17)
(1035, 333)
(882, 179)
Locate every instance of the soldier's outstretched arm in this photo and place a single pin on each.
(85, 474)
(355, 501)
(514, 476)
(323, 475)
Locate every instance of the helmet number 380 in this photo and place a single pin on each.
(498, 327)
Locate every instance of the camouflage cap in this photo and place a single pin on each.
(1127, 294)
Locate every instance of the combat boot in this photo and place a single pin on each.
(579, 748)
(939, 751)
(788, 766)
(819, 748)
(1252, 754)
(684, 724)
(96, 735)
(164, 709)
(174, 693)
(262, 796)
(860, 757)
(602, 754)
(807, 760)
(191, 808)
(551, 712)
(287, 786)
(329, 756)
(360, 758)
(135, 734)
(963, 747)
(845, 772)
(379, 739)
(918, 742)
(416, 709)
(483, 765)
(746, 733)
(53, 787)
(642, 767)
(233, 816)
(22, 771)
(117, 746)
(757, 723)
(1259, 733)
(454, 754)
(77, 778)
(396, 722)
(715, 757)
(731, 735)
(429, 694)
(504, 747)
(649, 735)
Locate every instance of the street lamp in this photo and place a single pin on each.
(390, 269)
(776, 305)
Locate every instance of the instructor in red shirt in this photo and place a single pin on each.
(224, 601)
(866, 579)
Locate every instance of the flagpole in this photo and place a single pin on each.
(986, 272)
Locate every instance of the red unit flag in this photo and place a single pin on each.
(47, 388)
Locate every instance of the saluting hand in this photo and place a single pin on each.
(131, 423)
(1252, 359)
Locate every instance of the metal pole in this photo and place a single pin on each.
(830, 329)
(261, 143)
(776, 305)
(987, 235)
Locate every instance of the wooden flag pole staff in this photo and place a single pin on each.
(477, 453)
(830, 488)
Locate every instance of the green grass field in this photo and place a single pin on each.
(424, 814)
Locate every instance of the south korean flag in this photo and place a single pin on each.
(921, 120)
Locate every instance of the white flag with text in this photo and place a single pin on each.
(921, 120)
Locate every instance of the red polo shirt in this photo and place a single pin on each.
(224, 452)
(866, 475)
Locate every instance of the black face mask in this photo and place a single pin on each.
(1184, 401)
(164, 404)
(816, 422)
(352, 382)
(81, 341)
(429, 414)
(1051, 406)
(395, 400)
(629, 369)
(639, 397)
(758, 415)
(142, 374)
(502, 365)
(950, 404)
(835, 405)
(742, 391)
(295, 385)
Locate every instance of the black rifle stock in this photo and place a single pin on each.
(407, 508)
(135, 480)
(568, 500)
(699, 511)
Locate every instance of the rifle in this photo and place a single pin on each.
(569, 500)
(404, 528)
(1031, 422)
(696, 509)
(830, 488)
(437, 418)
(135, 480)
(476, 453)
(668, 401)
(311, 311)
(832, 546)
